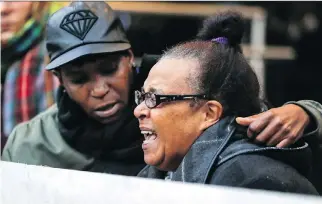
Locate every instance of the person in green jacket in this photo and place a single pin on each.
(92, 126)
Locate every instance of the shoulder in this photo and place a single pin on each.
(45, 119)
(261, 172)
(39, 142)
(30, 133)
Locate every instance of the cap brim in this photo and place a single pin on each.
(86, 50)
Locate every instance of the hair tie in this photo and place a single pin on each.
(220, 40)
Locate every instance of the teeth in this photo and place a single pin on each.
(149, 135)
(146, 132)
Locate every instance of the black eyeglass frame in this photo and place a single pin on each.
(159, 98)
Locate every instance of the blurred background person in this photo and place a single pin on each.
(26, 89)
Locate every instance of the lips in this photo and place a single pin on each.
(5, 27)
(150, 137)
(107, 110)
(105, 107)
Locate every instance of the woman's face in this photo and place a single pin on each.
(13, 17)
(101, 86)
(174, 125)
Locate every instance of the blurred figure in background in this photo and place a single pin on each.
(26, 89)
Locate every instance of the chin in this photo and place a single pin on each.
(157, 163)
(109, 120)
(5, 38)
(151, 161)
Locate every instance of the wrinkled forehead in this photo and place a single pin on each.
(171, 76)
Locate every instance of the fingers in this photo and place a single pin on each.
(259, 124)
(279, 136)
(269, 132)
(246, 121)
(285, 137)
(284, 143)
(280, 126)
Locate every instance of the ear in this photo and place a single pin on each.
(131, 57)
(212, 113)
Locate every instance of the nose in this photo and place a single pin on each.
(100, 87)
(141, 111)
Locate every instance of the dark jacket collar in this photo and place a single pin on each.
(221, 142)
(194, 167)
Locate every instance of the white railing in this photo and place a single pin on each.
(26, 184)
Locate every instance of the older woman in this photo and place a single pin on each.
(187, 110)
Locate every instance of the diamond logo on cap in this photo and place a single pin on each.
(79, 23)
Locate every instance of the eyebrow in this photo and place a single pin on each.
(153, 90)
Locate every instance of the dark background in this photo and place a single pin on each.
(288, 24)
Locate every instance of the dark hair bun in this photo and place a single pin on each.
(226, 24)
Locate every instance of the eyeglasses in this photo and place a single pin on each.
(152, 100)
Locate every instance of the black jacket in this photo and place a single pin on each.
(222, 156)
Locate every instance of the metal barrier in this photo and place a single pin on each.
(27, 184)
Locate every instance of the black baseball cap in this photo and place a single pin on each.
(83, 28)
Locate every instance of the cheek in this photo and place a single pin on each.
(21, 14)
(177, 129)
(176, 133)
(79, 94)
(122, 82)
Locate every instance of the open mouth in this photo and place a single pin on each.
(149, 135)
